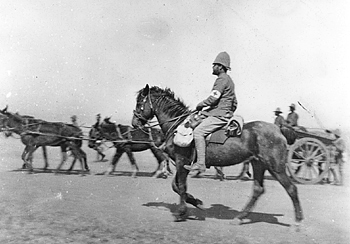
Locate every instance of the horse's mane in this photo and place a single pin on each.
(166, 99)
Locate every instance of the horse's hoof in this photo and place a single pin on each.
(236, 222)
(297, 227)
(199, 205)
(180, 217)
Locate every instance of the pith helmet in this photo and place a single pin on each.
(278, 110)
(224, 59)
(292, 106)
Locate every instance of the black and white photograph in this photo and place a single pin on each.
(204, 121)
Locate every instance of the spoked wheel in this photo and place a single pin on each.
(308, 160)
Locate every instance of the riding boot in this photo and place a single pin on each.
(200, 148)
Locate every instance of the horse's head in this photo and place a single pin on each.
(158, 102)
(144, 108)
(4, 125)
(10, 122)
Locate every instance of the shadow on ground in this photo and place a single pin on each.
(219, 211)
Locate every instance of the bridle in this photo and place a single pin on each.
(140, 116)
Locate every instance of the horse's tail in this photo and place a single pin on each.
(289, 134)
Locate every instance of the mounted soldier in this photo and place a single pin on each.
(222, 103)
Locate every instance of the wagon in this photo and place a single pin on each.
(310, 156)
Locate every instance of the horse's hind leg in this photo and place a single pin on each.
(258, 188)
(160, 158)
(119, 152)
(292, 191)
(73, 163)
(64, 158)
(133, 162)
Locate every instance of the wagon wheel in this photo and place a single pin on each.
(308, 160)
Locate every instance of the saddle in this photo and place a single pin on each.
(184, 132)
(233, 128)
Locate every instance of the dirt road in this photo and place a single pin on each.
(70, 208)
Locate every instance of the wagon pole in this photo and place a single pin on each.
(312, 115)
(84, 138)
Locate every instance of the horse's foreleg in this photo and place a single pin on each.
(45, 157)
(29, 159)
(84, 159)
(24, 157)
(132, 161)
(258, 188)
(219, 173)
(245, 172)
(100, 153)
(188, 197)
(180, 187)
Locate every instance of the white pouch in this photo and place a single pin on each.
(183, 136)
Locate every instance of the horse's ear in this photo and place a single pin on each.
(145, 90)
(5, 109)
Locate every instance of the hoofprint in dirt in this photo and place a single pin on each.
(48, 208)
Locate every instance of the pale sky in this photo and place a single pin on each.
(83, 57)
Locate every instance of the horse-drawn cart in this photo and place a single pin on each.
(310, 156)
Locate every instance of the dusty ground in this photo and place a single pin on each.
(69, 208)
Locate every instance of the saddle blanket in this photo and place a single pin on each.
(218, 137)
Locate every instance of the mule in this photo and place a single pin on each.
(260, 142)
(128, 140)
(37, 133)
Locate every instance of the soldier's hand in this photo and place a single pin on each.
(199, 107)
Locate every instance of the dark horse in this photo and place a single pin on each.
(260, 142)
(37, 133)
(128, 140)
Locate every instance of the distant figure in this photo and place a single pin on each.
(74, 120)
(292, 118)
(339, 144)
(279, 120)
(98, 144)
(98, 119)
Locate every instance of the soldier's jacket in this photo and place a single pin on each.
(292, 119)
(222, 100)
